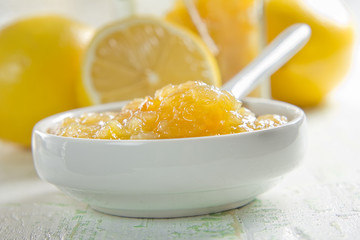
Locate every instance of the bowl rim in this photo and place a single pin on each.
(43, 125)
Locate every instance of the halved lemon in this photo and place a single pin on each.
(134, 57)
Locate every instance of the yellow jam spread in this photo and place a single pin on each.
(191, 109)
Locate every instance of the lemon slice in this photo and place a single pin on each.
(134, 57)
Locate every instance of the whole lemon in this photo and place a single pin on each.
(322, 64)
(40, 60)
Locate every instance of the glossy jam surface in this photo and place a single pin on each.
(192, 109)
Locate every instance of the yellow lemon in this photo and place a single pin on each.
(134, 57)
(307, 78)
(312, 73)
(39, 68)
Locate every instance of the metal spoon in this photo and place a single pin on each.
(275, 55)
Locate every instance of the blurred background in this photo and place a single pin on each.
(41, 56)
(351, 83)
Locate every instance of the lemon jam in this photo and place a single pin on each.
(191, 109)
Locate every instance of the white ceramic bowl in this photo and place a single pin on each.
(170, 177)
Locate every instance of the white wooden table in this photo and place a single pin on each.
(319, 200)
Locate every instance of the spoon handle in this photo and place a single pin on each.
(275, 55)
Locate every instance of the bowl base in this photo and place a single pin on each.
(170, 213)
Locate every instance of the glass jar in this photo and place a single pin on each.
(232, 29)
